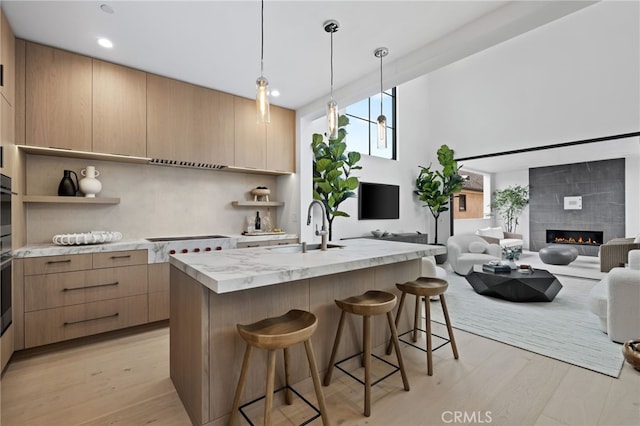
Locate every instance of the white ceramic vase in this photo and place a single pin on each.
(89, 185)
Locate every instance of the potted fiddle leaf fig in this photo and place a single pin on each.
(332, 166)
(509, 204)
(436, 187)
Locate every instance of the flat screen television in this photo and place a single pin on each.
(378, 201)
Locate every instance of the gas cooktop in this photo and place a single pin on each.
(195, 237)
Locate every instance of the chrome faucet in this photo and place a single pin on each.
(323, 232)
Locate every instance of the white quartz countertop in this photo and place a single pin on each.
(242, 269)
(158, 251)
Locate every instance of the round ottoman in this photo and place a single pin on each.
(558, 255)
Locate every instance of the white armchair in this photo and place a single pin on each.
(466, 250)
(616, 301)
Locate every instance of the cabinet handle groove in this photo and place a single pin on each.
(90, 319)
(124, 256)
(51, 262)
(91, 286)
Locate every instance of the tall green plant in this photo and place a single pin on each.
(509, 204)
(332, 166)
(435, 187)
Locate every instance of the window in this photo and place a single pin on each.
(462, 203)
(362, 132)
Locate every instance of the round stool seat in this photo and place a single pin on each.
(424, 287)
(373, 302)
(280, 332)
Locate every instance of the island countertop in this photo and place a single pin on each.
(242, 269)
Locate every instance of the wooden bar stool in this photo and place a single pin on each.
(279, 333)
(366, 305)
(425, 287)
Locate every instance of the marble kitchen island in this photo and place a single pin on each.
(212, 292)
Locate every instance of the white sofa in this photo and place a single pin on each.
(466, 250)
(498, 236)
(616, 301)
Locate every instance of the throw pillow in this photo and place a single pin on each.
(637, 240)
(492, 232)
(477, 247)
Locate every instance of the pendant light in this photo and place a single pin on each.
(262, 84)
(331, 26)
(381, 52)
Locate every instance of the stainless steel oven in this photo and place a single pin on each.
(5, 253)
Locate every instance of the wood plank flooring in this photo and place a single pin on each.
(122, 378)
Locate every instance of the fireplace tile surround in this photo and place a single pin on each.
(601, 184)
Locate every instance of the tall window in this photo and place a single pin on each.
(362, 132)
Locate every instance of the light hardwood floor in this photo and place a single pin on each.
(122, 378)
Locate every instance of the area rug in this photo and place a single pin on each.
(564, 329)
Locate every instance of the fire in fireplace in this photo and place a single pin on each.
(584, 238)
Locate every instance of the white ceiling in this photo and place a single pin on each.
(216, 44)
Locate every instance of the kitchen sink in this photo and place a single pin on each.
(298, 248)
(195, 237)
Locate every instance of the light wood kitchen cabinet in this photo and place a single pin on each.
(158, 291)
(7, 59)
(251, 137)
(188, 123)
(281, 140)
(70, 296)
(119, 109)
(58, 98)
(7, 136)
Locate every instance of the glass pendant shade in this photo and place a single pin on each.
(382, 131)
(262, 100)
(332, 119)
(381, 52)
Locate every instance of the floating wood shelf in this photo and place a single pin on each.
(258, 203)
(69, 200)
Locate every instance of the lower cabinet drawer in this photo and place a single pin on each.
(73, 288)
(69, 322)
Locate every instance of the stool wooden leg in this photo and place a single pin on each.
(396, 342)
(445, 311)
(398, 314)
(327, 376)
(316, 382)
(427, 310)
(416, 320)
(271, 378)
(243, 374)
(366, 333)
(287, 363)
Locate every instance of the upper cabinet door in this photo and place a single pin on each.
(119, 109)
(188, 123)
(58, 98)
(281, 140)
(7, 59)
(251, 137)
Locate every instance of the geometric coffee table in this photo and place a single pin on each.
(538, 286)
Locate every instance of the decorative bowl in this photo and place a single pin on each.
(378, 233)
(260, 191)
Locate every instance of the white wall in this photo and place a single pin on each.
(574, 78)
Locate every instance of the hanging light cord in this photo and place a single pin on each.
(332, 64)
(381, 83)
(262, 39)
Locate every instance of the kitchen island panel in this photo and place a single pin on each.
(226, 347)
(188, 344)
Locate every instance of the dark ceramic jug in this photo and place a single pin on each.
(67, 188)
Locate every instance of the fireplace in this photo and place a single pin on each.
(581, 238)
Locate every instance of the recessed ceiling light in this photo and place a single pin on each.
(275, 93)
(106, 9)
(105, 42)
